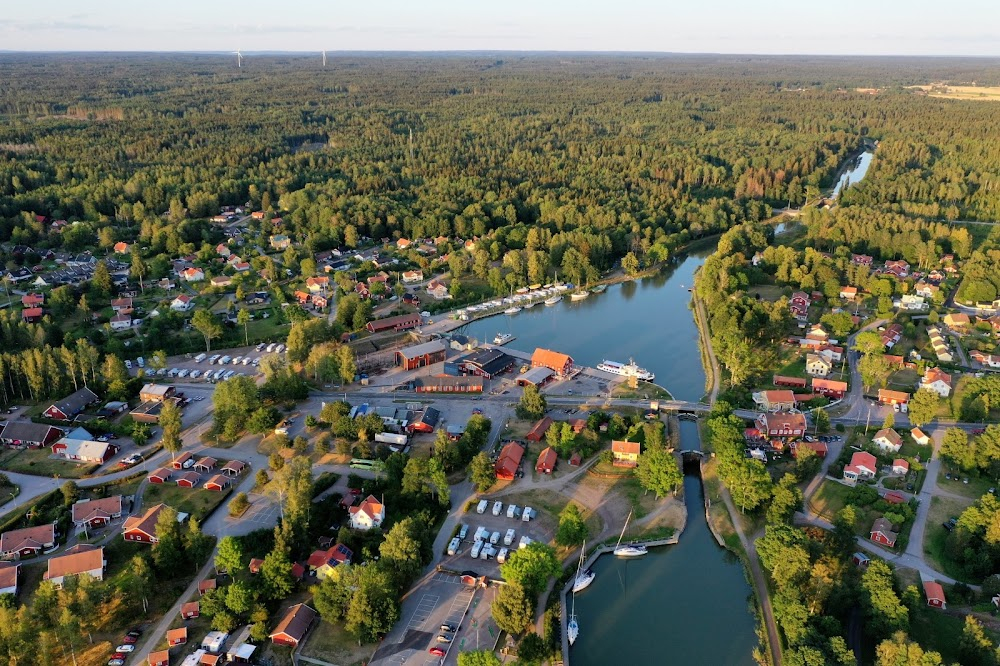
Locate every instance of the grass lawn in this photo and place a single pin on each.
(330, 642)
(767, 292)
(974, 489)
(940, 631)
(829, 499)
(903, 379)
(935, 535)
(549, 504)
(796, 367)
(644, 391)
(196, 501)
(40, 463)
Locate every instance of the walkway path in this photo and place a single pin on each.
(760, 583)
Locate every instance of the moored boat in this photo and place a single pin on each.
(503, 338)
(553, 300)
(629, 549)
(629, 369)
(599, 289)
(583, 580)
(512, 311)
(579, 295)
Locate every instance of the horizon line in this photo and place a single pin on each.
(616, 52)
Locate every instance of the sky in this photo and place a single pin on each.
(852, 27)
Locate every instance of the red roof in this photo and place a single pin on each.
(547, 459)
(509, 460)
(550, 359)
(934, 591)
(538, 430)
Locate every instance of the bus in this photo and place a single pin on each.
(361, 463)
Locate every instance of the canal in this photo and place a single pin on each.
(682, 604)
(853, 172)
(646, 319)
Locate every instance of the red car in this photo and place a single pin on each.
(436, 651)
(129, 640)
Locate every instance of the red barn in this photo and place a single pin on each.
(188, 479)
(934, 593)
(294, 626)
(161, 475)
(881, 532)
(537, 432)
(218, 483)
(559, 363)
(509, 461)
(546, 461)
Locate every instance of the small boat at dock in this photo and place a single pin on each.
(579, 295)
(599, 289)
(503, 338)
(629, 549)
(553, 300)
(512, 311)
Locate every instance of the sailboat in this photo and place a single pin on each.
(573, 626)
(583, 578)
(629, 549)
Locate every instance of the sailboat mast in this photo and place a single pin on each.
(624, 527)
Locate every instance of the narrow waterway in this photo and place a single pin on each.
(683, 604)
(646, 319)
(853, 172)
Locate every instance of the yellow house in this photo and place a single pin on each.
(625, 454)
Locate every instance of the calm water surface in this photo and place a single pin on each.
(854, 172)
(647, 320)
(683, 604)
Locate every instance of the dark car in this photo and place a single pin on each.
(950, 525)
(447, 626)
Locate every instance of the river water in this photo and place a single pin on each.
(853, 172)
(683, 604)
(646, 319)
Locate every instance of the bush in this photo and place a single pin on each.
(262, 478)
(322, 444)
(239, 505)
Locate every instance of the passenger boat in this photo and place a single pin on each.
(503, 338)
(553, 300)
(626, 370)
(629, 549)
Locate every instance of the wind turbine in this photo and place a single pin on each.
(239, 58)
(324, 58)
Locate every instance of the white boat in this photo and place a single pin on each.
(599, 289)
(626, 370)
(573, 627)
(579, 295)
(629, 549)
(583, 580)
(512, 311)
(553, 300)
(503, 338)
(530, 304)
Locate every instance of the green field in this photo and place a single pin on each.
(196, 501)
(935, 536)
(829, 499)
(41, 463)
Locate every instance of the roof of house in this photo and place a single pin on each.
(890, 435)
(882, 525)
(371, 507)
(783, 420)
(175, 635)
(157, 389)
(85, 450)
(235, 465)
(935, 374)
(296, 622)
(190, 476)
(536, 375)
(779, 395)
(207, 461)
(551, 359)
(207, 584)
(547, 458)
(625, 447)
(540, 427)
(28, 537)
(190, 607)
(830, 384)
(899, 396)
(510, 458)
(26, 431)
(490, 361)
(87, 510)
(864, 459)
(219, 480)
(933, 590)
(76, 401)
(8, 574)
(432, 347)
(161, 473)
(918, 434)
(84, 558)
(901, 462)
(146, 523)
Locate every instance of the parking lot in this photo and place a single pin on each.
(442, 599)
(182, 368)
(497, 528)
(263, 510)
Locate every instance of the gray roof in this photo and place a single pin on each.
(536, 375)
(27, 432)
(431, 347)
(75, 402)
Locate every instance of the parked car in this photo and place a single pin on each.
(447, 626)
(189, 463)
(116, 662)
(950, 525)
(436, 651)
(443, 638)
(125, 648)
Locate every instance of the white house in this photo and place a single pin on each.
(863, 465)
(182, 303)
(367, 515)
(412, 276)
(920, 437)
(817, 366)
(888, 439)
(938, 381)
(193, 274)
(121, 322)
(912, 302)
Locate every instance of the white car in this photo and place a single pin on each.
(236, 360)
(279, 348)
(183, 373)
(269, 348)
(188, 464)
(195, 374)
(141, 361)
(212, 359)
(247, 360)
(128, 364)
(173, 372)
(125, 648)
